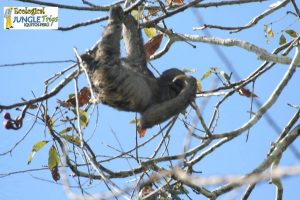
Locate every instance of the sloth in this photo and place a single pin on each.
(126, 83)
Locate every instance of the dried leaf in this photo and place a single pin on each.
(84, 97)
(142, 132)
(169, 2)
(152, 12)
(55, 174)
(152, 45)
(247, 93)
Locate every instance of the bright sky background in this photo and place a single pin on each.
(236, 157)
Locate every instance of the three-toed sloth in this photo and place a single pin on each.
(126, 83)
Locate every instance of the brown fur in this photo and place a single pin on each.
(126, 83)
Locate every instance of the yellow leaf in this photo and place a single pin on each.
(270, 33)
(136, 14)
(150, 32)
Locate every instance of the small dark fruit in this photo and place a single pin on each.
(6, 116)
(8, 124)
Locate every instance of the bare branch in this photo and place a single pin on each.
(231, 180)
(253, 22)
(56, 90)
(272, 99)
(262, 54)
(86, 23)
(98, 19)
(279, 149)
(44, 3)
(36, 63)
(296, 8)
(248, 191)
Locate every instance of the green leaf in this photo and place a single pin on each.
(72, 139)
(66, 130)
(53, 159)
(282, 39)
(133, 121)
(71, 95)
(38, 146)
(292, 33)
(84, 118)
(208, 73)
(225, 76)
(150, 32)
